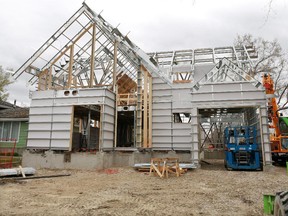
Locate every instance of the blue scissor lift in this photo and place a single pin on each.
(241, 148)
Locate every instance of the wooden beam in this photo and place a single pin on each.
(150, 113)
(82, 33)
(116, 117)
(92, 58)
(70, 66)
(61, 54)
(145, 116)
(49, 79)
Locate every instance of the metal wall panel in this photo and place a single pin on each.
(39, 134)
(39, 118)
(40, 110)
(43, 94)
(37, 125)
(90, 100)
(62, 117)
(108, 120)
(62, 126)
(60, 134)
(41, 103)
(162, 105)
(201, 69)
(62, 109)
(161, 115)
(60, 144)
(65, 100)
(38, 143)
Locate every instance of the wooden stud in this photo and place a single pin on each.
(150, 114)
(116, 117)
(49, 79)
(80, 35)
(145, 125)
(70, 69)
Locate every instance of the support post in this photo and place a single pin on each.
(115, 90)
(50, 78)
(145, 125)
(70, 66)
(92, 58)
(139, 108)
(116, 117)
(150, 113)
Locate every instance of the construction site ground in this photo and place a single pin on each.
(211, 190)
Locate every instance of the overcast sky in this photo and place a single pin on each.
(154, 25)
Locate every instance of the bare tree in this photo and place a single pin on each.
(271, 59)
(4, 82)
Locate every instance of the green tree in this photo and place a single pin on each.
(4, 82)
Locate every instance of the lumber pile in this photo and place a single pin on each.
(163, 166)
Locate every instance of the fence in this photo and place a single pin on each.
(7, 151)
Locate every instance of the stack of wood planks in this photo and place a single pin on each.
(163, 166)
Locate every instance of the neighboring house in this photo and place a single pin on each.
(13, 125)
(5, 105)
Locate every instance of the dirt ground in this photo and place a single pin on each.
(211, 190)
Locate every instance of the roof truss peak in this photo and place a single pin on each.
(226, 71)
(85, 52)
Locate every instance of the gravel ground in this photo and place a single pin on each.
(211, 190)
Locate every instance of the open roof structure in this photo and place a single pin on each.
(87, 51)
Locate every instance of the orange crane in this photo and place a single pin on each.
(278, 139)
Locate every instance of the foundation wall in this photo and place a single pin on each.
(100, 160)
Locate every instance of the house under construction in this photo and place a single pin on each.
(100, 93)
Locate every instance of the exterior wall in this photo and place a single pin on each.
(201, 69)
(161, 115)
(107, 120)
(236, 94)
(22, 139)
(180, 99)
(22, 142)
(51, 117)
(265, 136)
(181, 132)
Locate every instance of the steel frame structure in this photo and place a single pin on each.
(88, 52)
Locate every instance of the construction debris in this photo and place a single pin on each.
(39, 177)
(145, 167)
(17, 171)
(163, 166)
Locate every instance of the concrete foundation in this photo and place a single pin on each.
(100, 160)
